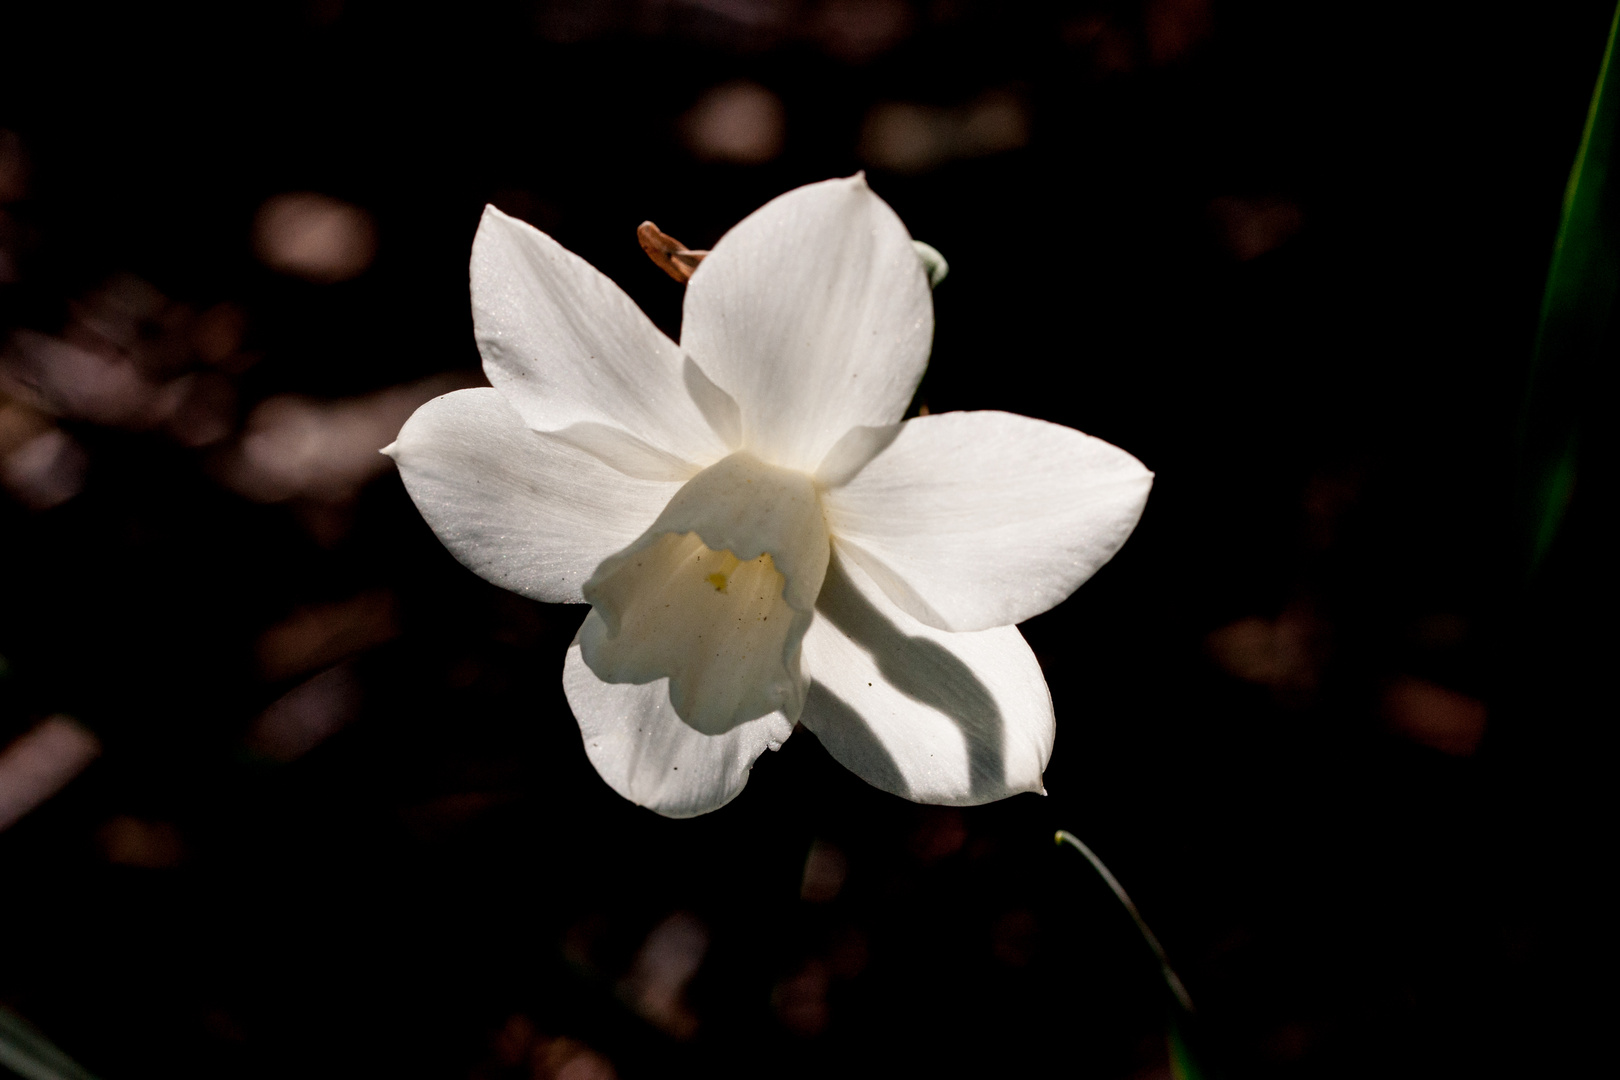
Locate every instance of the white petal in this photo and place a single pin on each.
(815, 314)
(567, 346)
(981, 519)
(626, 453)
(648, 755)
(716, 595)
(524, 510)
(935, 717)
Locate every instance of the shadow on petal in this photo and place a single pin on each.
(625, 452)
(921, 669)
(719, 408)
(880, 768)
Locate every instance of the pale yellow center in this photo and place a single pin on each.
(716, 624)
(728, 562)
(725, 630)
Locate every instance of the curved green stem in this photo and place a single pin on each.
(1171, 979)
(25, 1051)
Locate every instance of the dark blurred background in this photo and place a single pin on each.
(287, 792)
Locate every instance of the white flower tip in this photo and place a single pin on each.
(497, 222)
(391, 450)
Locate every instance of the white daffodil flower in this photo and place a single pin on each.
(761, 539)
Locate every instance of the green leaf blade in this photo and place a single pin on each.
(1577, 311)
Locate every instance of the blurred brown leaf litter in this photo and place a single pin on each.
(291, 795)
(315, 237)
(40, 763)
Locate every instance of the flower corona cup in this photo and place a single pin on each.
(762, 540)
